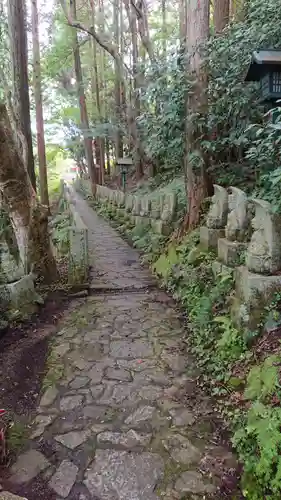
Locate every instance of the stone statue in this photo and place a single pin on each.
(264, 251)
(169, 204)
(136, 205)
(238, 219)
(217, 216)
(145, 206)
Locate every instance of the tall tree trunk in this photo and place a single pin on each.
(221, 15)
(117, 81)
(182, 24)
(44, 196)
(135, 58)
(29, 218)
(135, 101)
(239, 9)
(102, 80)
(95, 88)
(82, 103)
(107, 154)
(21, 103)
(121, 65)
(95, 83)
(164, 28)
(197, 182)
(139, 159)
(140, 9)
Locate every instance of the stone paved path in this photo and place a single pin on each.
(114, 264)
(120, 417)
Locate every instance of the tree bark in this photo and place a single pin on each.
(139, 158)
(135, 101)
(95, 84)
(182, 23)
(164, 29)
(196, 178)
(123, 88)
(20, 94)
(103, 85)
(140, 8)
(29, 218)
(221, 15)
(82, 104)
(107, 154)
(96, 97)
(117, 82)
(239, 9)
(44, 196)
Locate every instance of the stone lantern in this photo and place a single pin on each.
(123, 166)
(265, 68)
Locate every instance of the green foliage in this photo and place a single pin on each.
(263, 379)
(258, 442)
(187, 272)
(165, 262)
(57, 163)
(264, 154)
(5, 71)
(239, 156)
(60, 232)
(233, 104)
(162, 122)
(231, 344)
(16, 435)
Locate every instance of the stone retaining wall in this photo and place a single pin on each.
(78, 270)
(157, 212)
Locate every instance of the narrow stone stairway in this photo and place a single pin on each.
(120, 416)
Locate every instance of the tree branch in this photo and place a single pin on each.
(143, 27)
(90, 31)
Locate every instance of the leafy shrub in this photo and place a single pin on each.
(263, 379)
(233, 104)
(258, 442)
(60, 231)
(162, 122)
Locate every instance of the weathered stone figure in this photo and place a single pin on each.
(145, 206)
(129, 202)
(156, 206)
(238, 219)
(238, 228)
(216, 219)
(217, 216)
(136, 205)
(169, 207)
(264, 251)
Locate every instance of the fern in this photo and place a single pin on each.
(254, 383)
(263, 380)
(165, 263)
(162, 266)
(258, 442)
